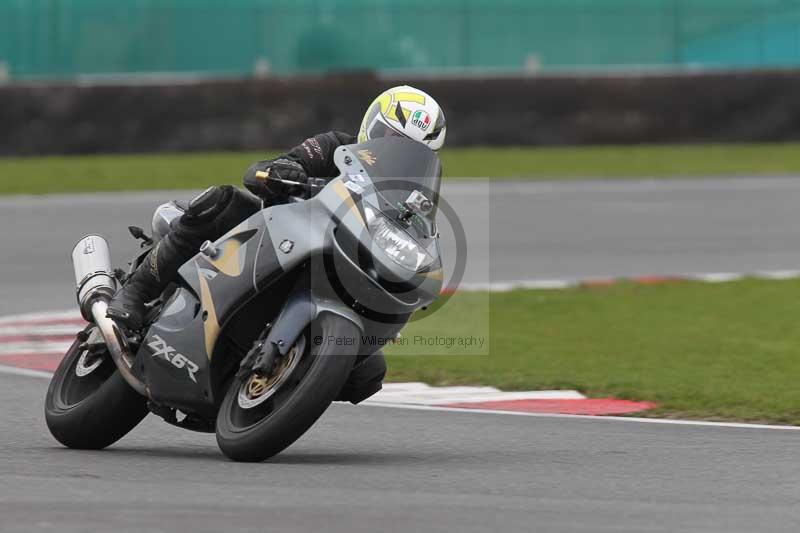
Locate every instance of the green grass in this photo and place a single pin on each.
(710, 351)
(181, 171)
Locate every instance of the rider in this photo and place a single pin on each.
(401, 111)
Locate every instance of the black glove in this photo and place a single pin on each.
(259, 178)
(287, 169)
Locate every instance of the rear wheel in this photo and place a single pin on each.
(262, 415)
(88, 404)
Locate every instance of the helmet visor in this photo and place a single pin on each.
(378, 130)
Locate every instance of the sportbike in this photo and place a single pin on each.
(267, 325)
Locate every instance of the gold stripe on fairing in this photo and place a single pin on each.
(229, 261)
(435, 274)
(342, 191)
(210, 324)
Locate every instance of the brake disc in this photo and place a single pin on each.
(258, 389)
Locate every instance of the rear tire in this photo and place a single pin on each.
(93, 411)
(245, 435)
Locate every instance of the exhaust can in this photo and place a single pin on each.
(94, 276)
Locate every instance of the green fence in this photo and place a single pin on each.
(66, 38)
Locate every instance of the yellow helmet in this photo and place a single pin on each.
(407, 112)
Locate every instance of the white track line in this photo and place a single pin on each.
(423, 394)
(54, 329)
(549, 284)
(665, 421)
(14, 371)
(47, 315)
(717, 277)
(34, 348)
(777, 274)
(557, 284)
(508, 286)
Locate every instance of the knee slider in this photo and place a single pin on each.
(365, 379)
(239, 206)
(208, 204)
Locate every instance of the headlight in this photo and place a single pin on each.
(395, 242)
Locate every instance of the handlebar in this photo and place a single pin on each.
(312, 185)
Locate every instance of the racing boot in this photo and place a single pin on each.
(146, 283)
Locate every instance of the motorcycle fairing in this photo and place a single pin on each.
(211, 291)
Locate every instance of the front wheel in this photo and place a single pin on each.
(88, 404)
(261, 416)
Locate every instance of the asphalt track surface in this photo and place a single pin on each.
(515, 231)
(381, 469)
(368, 469)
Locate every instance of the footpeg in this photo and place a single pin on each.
(117, 314)
(139, 234)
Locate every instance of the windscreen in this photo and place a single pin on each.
(396, 177)
(397, 166)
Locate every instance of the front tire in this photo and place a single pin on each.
(264, 430)
(93, 410)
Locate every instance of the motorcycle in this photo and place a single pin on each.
(269, 324)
